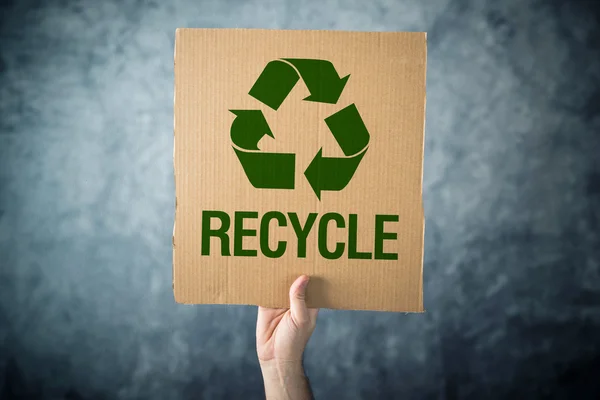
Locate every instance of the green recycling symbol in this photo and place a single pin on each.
(277, 170)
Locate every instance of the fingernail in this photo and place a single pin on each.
(304, 283)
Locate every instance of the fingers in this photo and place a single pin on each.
(298, 309)
(268, 318)
(262, 319)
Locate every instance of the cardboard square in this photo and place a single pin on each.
(299, 152)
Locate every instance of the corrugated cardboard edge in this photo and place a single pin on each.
(422, 174)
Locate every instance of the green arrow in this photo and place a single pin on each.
(264, 170)
(274, 84)
(325, 173)
(321, 79)
(268, 170)
(352, 135)
(349, 130)
(248, 128)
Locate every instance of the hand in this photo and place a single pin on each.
(282, 333)
(281, 336)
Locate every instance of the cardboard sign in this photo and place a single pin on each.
(299, 152)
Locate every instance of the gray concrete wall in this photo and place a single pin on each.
(511, 186)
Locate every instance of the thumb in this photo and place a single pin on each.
(298, 307)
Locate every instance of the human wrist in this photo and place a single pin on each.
(285, 380)
(282, 368)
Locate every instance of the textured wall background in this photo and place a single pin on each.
(512, 196)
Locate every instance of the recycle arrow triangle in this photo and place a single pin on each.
(276, 170)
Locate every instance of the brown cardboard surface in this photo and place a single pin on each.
(215, 70)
